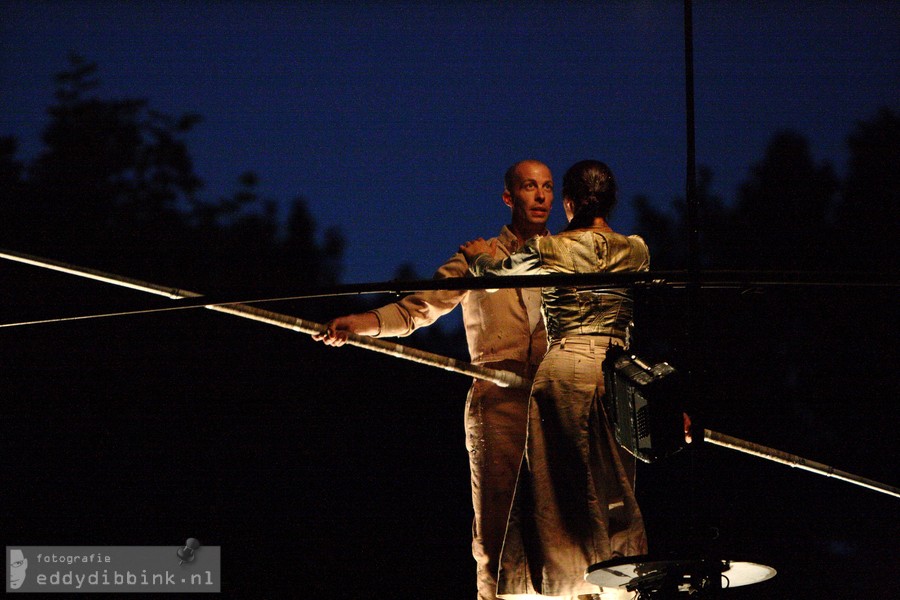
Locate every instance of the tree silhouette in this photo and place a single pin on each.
(134, 409)
(781, 219)
(112, 172)
(807, 370)
(115, 188)
(666, 233)
(789, 199)
(792, 213)
(11, 185)
(869, 210)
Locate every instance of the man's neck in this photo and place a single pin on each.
(525, 233)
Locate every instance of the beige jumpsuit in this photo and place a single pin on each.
(504, 330)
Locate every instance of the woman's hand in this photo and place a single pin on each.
(478, 246)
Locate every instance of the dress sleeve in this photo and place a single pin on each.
(421, 309)
(526, 261)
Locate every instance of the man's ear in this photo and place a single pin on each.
(507, 198)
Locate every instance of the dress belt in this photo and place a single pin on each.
(593, 341)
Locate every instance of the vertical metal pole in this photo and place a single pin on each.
(694, 540)
(691, 185)
(692, 200)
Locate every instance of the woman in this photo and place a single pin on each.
(574, 503)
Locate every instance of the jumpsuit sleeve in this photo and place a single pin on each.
(421, 309)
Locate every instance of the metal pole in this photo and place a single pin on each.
(738, 280)
(501, 378)
(690, 126)
(792, 460)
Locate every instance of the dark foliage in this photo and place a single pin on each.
(137, 429)
(807, 370)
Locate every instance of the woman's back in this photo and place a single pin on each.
(570, 311)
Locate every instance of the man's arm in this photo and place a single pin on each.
(366, 323)
(403, 317)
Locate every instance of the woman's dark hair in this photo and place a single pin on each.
(591, 186)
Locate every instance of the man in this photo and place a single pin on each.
(504, 330)
(18, 566)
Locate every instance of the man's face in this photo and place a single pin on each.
(531, 196)
(17, 565)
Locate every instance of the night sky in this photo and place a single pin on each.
(391, 116)
(395, 121)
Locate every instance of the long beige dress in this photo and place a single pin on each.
(574, 502)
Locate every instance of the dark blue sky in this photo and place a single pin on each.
(396, 120)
